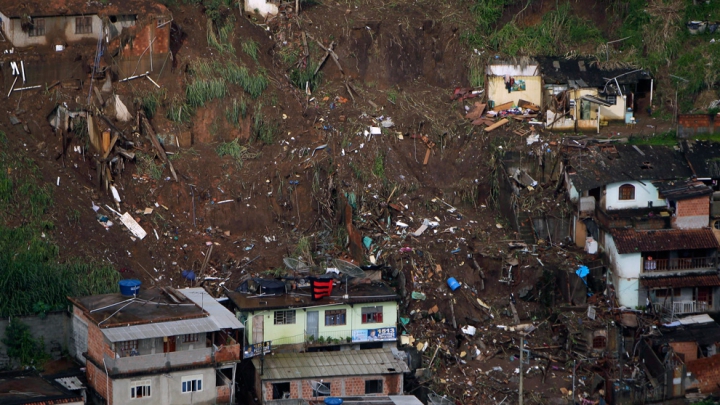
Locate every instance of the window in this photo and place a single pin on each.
(716, 224)
(666, 292)
(627, 192)
(321, 389)
(374, 386)
(37, 28)
(285, 317)
(190, 338)
(372, 315)
(127, 345)
(192, 383)
(139, 389)
(335, 317)
(83, 25)
(281, 390)
(599, 342)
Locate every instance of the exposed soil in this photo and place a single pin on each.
(412, 50)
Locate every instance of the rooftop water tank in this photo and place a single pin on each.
(129, 288)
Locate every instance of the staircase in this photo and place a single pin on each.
(525, 228)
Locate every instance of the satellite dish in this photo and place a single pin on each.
(348, 268)
(296, 265)
(320, 388)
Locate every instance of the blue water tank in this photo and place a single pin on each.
(333, 401)
(130, 287)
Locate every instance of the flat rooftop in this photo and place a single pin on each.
(21, 387)
(150, 306)
(300, 298)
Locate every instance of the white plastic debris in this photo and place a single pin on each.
(469, 330)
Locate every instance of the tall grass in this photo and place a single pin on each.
(302, 77)
(263, 129)
(251, 48)
(237, 152)
(232, 113)
(179, 111)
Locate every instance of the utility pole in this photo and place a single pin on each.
(522, 346)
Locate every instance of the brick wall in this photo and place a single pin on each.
(347, 386)
(97, 345)
(223, 394)
(691, 124)
(707, 372)
(97, 379)
(688, 350)
(692, 213)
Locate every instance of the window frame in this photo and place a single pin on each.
(277, 393)
(37, 29)
(667, 292)
(127, 345)
(336, 317)
(85, 26)
(626, 192)
(191, 383)
(282, 317)
(368, 384)
(145, 385)
(191, 338)
(372, 314)
(599, 338)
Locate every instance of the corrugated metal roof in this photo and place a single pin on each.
(223, 318)
(286, 366)
(632, 241)
(711, 280)
(160, 329)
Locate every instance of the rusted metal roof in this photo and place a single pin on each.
(45, 8)
(632, 241)
(709, 280)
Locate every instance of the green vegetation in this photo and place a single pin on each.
(179, 111)
(378, 168)
(392, 95)
(236, 151)
(665, 139)
(251, 48)
(301, 77)
(232, 113)
(22, 347)
(264, 130)
(150, 101)
(146, 166)
(30, 272)
(210, 81)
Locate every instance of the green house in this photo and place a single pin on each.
(364, 315)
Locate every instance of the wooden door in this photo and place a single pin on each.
(704, 294)
(257, 329)
(169, 344)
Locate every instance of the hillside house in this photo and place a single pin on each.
(27, 387)
(133, 36)
(363, 317)
(581, 96)
(651, 223)
(161, 346)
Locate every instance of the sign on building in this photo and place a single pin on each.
(374, 335)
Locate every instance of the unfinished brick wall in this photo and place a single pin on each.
(347, 386)
(707, 373)
(688, 350)
(692, 213)
(98, 380)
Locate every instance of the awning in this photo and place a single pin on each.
(712, 280)
(596, 100)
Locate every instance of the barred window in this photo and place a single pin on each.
(285, 317)
(37, 28)
(189, 338)
(127, 345)
(335, 317)
(372, 314)
(83, 25)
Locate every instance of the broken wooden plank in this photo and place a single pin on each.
(528, 105)
(133, 226)
(427, 157)
(476, 112)
(497, 125)
(503, 106)
(150, 132)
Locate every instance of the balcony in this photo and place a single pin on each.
(638, 218)
(159, 361)
(679, 264)
(682, 307)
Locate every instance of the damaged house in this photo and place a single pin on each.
(651, 222)
(582, 96)
(509, 84)
(72, 38)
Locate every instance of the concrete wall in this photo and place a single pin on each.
(272, 332)
(55, 329)
(498, 93)
(61, 28)
(693, 213)
(263, 7)
(166, 389)
(643, 194)
(616, 112)
(340, 386)
(625, 273)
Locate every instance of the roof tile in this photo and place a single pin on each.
(633, 241)
(712, 280)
